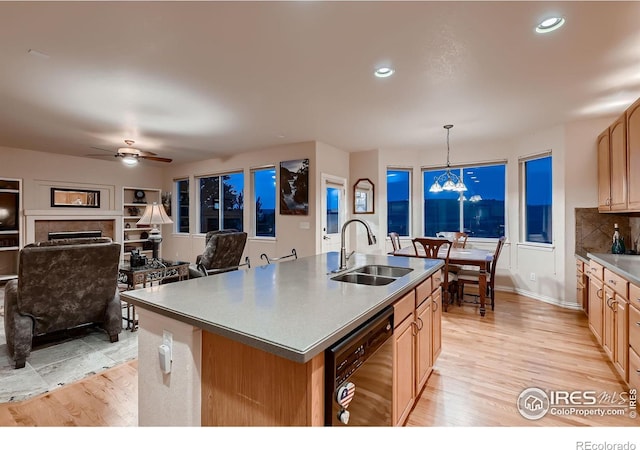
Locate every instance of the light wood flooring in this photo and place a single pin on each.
(484, 365)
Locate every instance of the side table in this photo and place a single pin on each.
(134, 277)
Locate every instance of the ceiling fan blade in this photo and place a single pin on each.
(144, 153)
(156, 158)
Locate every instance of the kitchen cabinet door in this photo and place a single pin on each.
(633, 155)
(608, 325)
(596, 311)
(436, 315)
(621, 347)
(618, 146)
(424, 344)
(604, 172)
(403, 370)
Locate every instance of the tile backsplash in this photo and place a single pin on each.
(594, 230)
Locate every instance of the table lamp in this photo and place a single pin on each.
(154, 215)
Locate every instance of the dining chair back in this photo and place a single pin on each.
(432, 247)
(460, 239)
(473, 276)
(395, 240)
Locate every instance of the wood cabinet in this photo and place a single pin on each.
(618, 146)
(582, 287)
(633, 155)
(10, 227)
(615, 336)
(404, 393)
(618, 153)
(604, 172)
(634, 337)
(596, 300)
(417, 343)
(134, 202)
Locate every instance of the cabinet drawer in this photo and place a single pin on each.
(634, 295)
(596, 270)
(403, 308)
(634, 369)
(617, 283)
(634, 328)
(579, 265)
(423, 291)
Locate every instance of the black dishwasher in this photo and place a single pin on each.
(359, 375)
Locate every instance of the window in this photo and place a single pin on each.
(264, 196)
(480, 211)
(537, 199)
(398, 201)
(333, 210)
(182, 207)
(221, 202)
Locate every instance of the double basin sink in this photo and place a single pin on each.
(373, 275)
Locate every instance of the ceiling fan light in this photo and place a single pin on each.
(130, 160)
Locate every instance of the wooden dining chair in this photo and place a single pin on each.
(460, 239)
(470, 276)
(431, 247)
(395, 240)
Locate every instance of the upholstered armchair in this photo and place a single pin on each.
(222, 253)
(62, 284)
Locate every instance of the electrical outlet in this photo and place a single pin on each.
(532, 276)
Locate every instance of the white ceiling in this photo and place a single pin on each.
(197, 80)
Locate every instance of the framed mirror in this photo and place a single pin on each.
(363, 197)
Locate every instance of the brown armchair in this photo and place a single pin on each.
(62, 284)
(222, 253)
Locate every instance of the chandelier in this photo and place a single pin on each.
(448, 181)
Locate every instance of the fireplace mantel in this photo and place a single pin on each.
(33, 216)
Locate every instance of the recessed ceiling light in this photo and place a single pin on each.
(550, 24)
(384, 72)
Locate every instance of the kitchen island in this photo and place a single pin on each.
(248, 346)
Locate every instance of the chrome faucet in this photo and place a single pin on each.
(343, 250)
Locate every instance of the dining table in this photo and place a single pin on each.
(461, 257)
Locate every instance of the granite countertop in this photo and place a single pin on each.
(627, 266)
(292, 309)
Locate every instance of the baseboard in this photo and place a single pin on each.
(542, 298)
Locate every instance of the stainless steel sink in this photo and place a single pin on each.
(383, 271)
(363, 278)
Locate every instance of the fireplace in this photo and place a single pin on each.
(74, 234)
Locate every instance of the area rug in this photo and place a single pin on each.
(70, 357)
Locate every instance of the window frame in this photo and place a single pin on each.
(523, 200)
(176, 205)
(461, 168)
(254, 215)
(220, 176)
(409, 170)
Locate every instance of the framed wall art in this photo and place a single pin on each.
(74, 198)
(294, 187)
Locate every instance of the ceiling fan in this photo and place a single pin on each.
(131, 156)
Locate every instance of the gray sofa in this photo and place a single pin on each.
(62, 284)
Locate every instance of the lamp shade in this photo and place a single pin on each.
(154, 215)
